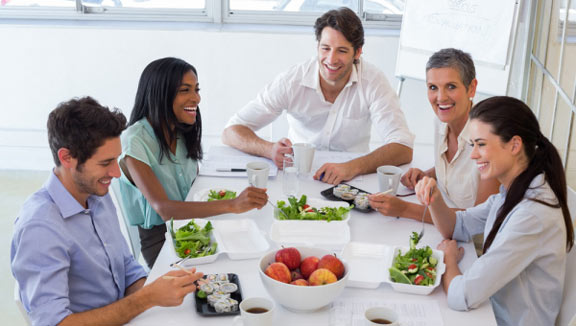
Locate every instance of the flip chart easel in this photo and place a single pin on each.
(484, 28)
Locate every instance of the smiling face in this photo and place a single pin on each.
(336, 57)
(93, 177)
(495, 158)
(448, 96)
(187, 99)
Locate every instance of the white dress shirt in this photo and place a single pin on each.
(523, 271)
(343, 125)
(458, 179)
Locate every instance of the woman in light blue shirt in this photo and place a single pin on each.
(527, 226)
(161, 149)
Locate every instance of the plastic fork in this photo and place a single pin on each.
(275, 207)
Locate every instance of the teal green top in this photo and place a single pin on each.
(175, 175)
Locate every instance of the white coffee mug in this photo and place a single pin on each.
(258, 174)
(389, 178)
(256, 312)
(380, 316)
(303, 156)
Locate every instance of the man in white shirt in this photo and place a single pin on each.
(331, 101)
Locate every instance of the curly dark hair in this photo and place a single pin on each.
(346, 22)
(157, 89)
(82, 125)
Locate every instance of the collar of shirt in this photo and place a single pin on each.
(463, 138)
(312, 77)
(66, 203)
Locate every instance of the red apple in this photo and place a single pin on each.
(296, 275)
(322, 276)
(279, 272)
(289, 256)
(333, 264)
(309, 264)
(300, 282)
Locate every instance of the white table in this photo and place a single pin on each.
(364, 227)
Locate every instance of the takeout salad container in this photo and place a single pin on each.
(370, 263)
(316, 203)
(239, 239)
(302, 298)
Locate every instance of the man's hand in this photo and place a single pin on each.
(248, 199)
(281, 147)
(411, 178)
(334, 173)
(170, 289)
(388, 205)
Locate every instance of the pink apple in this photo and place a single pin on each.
(289, 256)
(309, 265)
(333, 264)
(279, 272)
(322, 276)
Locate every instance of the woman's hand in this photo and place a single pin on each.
(388, 205)
(426, 190)
(248, 199)
(452, 253)
(411, 177)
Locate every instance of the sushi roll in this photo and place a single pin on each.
(222, 306)
(208, 288)
(361, 201)
(222, 277)
(340, 189)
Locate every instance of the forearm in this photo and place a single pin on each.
(135, 286)
(117, 313)
(178, 210)
(443, 217)
(246, 140)
(431, 173)
(390, 154)
(452, 270)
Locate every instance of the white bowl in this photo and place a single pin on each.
(302, 298)
(417, 289)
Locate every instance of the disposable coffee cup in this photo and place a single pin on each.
(303, 156)
(389, 178)
(377, 316)
(258, 174)
(256, 312)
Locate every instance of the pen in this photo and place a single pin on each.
(230, 170)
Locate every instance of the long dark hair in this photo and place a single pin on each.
(509, 117)
(155, 96)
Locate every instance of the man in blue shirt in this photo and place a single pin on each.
(68, 255)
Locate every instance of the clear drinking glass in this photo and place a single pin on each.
(290, 176)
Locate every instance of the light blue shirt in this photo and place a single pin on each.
(523, 271)
(176, 175)
(69, 259)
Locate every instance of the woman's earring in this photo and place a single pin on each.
(471, 99)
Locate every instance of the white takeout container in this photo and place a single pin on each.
(202, 195)
(370, 262)
(317, 203)
(327, 235)
(239, 239)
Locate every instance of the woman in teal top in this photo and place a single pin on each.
(161, 150)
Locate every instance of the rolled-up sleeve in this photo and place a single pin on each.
(515, 247)
(471, 221)
(40, 264)
(266, 107)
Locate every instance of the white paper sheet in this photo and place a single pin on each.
(224, 157)
(350, 311)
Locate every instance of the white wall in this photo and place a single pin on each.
(41, 66)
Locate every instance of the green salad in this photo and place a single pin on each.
(416, 266)
(221, 194)
(298, 209)
(193, 241)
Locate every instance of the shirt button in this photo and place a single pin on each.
(86, 211)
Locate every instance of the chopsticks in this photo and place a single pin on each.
(168, 277)
(383, 192)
